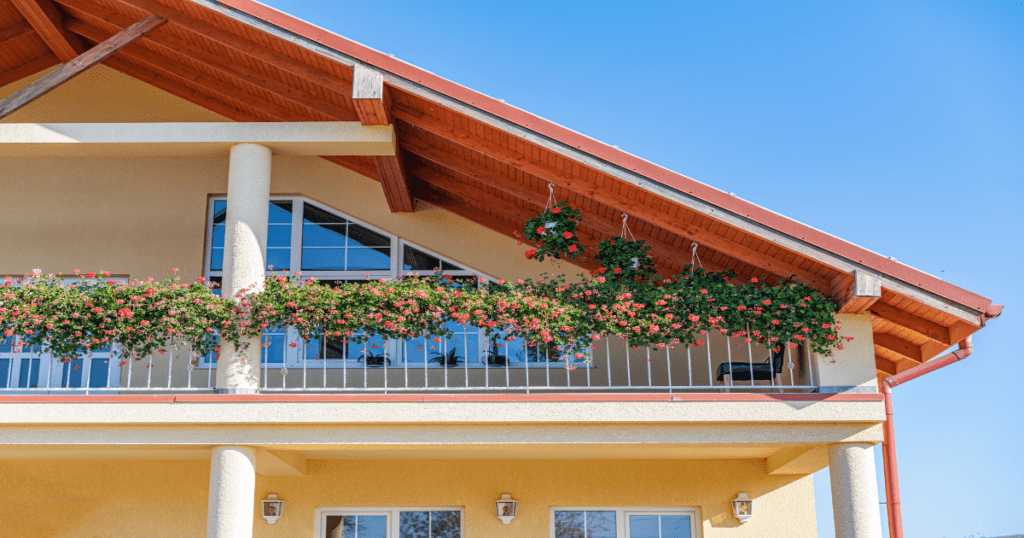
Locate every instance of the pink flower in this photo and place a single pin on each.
(567, 235)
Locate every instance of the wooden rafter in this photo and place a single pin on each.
(885, 366)
(78, 65)
(28, 69)
(928, 329)
(855, 294)
(591, 224)
(14, 32)
(236, 43)
(566, 180)
(46, 20)
(899, 346)
(372, 104)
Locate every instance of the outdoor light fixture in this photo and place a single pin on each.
(272, 508)
(506, 508)
(743, 507)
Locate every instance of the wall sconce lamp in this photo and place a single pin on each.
(743, 507)
(506, 508)
(272, 508)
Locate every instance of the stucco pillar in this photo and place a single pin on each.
(232, 492)
(854, 490)
(245, 251)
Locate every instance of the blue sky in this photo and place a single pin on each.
(896, 125)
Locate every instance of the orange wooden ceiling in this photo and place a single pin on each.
(452, 160)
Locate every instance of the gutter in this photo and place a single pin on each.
(892, 481)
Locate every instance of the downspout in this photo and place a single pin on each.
(892, 481)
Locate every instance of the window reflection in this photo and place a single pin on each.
(585, 524)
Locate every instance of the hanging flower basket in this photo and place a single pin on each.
(554, 229)
(624, 260)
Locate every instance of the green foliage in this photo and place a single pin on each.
(623, 260)
(554, 229)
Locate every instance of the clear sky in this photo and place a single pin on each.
(897, 125)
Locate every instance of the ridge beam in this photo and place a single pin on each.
(185, 138)
(373, 105)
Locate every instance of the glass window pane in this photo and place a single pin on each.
(569, 524)
(600, 524)
(335, 348)
(324, 235)
(414, 525)
(675, 526)
(220, 209)
(217, 259)
(280, 212)
(369, 259)
(273, 351)
(6, 344)
(372, 526)
(445, 524)
(359, 236)
(29, 378)
(643, 527)
(414, 259)
(279, 259)
(323, 259)
(71, 374)
(99, 373)
(278, 235)
(315, 215)
(5, 372)
(451, 267)
(218, 236)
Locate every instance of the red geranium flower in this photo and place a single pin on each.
(567, 235)
(530, 254)
(572, 248)
(556, 210)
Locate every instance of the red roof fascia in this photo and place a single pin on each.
(617, 157)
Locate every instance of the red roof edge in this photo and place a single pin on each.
(614, 156)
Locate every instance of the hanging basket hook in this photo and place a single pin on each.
(694, 258)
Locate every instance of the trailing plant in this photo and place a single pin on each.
(624, 260)
(554, 230)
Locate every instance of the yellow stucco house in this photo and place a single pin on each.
(220, 138)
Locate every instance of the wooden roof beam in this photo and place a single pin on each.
(899, 346)
(27, 70)
(78, 65)
(372, 103)
(14, 32)
(921, 326)
(856, 294)
(47, 21)
(885, 366)
(645, 212)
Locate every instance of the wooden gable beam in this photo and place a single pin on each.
(78, 65)
(856, 294)
(899, 346)
(372, 103)
(885, 366)
(928, 329)
(14, 32)
(27, 70)
(474, 143)
(590, 226)
(46, 20)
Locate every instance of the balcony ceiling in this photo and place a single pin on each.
(478, 157)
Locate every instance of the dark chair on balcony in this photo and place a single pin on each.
(729, 373)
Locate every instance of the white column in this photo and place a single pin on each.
(245, 250)
(854, 490)
(232, 492)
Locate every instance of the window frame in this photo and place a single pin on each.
(393, 514)
(622, 513)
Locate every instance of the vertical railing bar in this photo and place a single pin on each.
(508, 382)
(547, 365)
(810, 365)
(49, 370)
(170, 363)
(649, 383)
(465, 342)
(668, 365)
(590, 360)
(384, 368)
(149, 373)
(209, 371)
(487, 363)
(65, 381)
(302, 358)
(265, 358)
(608, 358)
(129, 367)
(405, 360)
(426, 376)
(728, 351)
(750, 354)
(771, 361)
(189, 367)
(689, 365)
(629, 373)
(789, 356)
(366, 363)
(526, 354)
(323, 366)
(444, 357)
(344, 363)
(707, 344)
(568, 362)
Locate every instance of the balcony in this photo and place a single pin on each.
(381, 366)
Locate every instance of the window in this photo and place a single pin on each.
(624, 523)
(389, 523)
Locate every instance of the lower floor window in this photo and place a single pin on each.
(390, 523)
(623, 523)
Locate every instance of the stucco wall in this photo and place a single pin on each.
(156, 499)
(144, 216)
